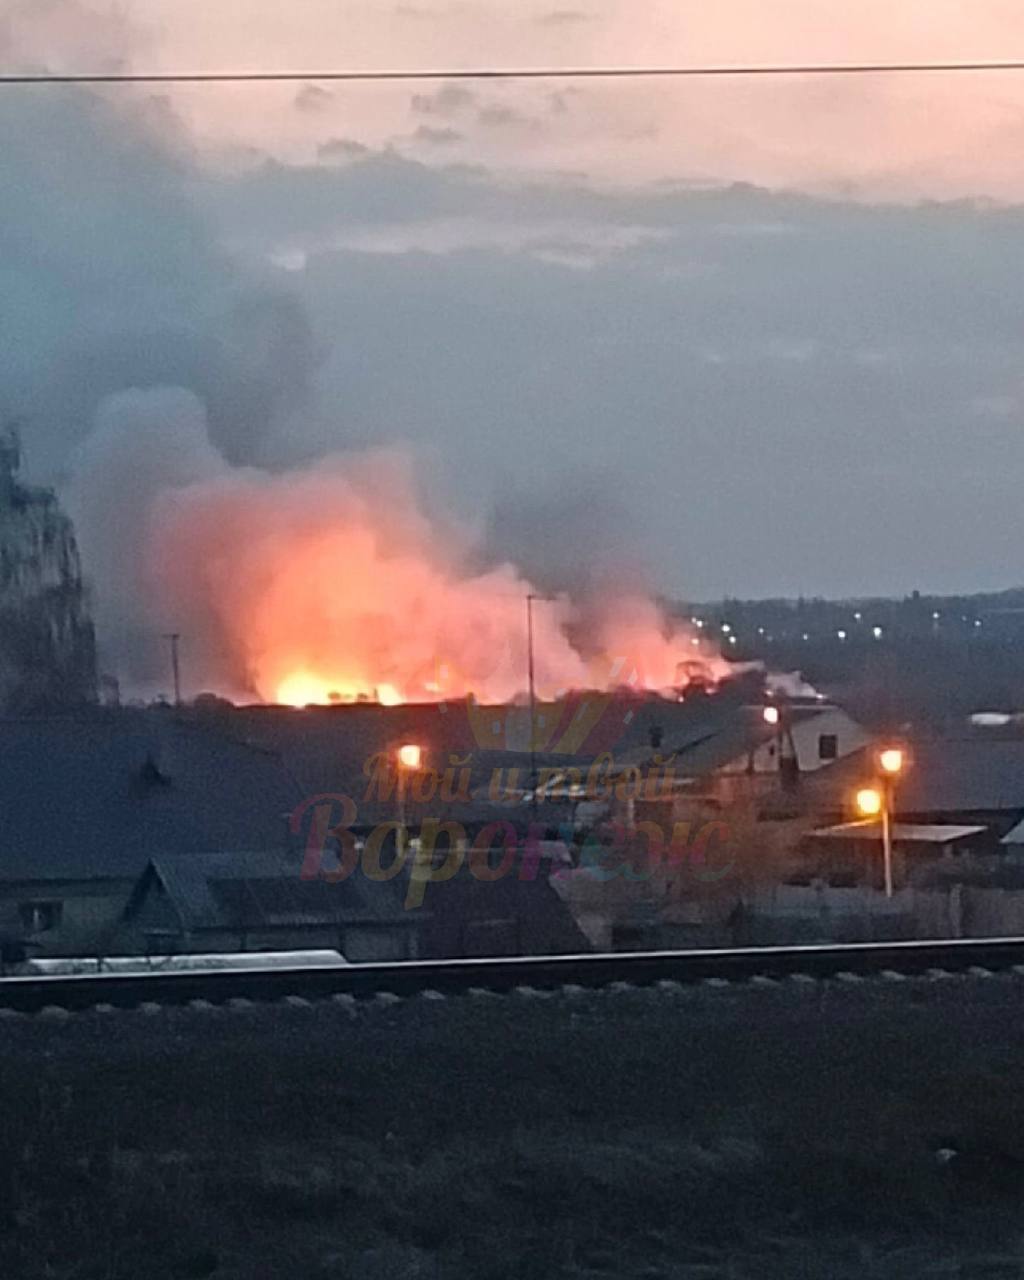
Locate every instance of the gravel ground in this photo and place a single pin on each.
(868, 1129)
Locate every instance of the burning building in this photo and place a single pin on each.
(47, 643)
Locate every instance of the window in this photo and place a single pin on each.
(828, 746)
(38, 917)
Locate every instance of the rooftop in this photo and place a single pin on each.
(100, 793)
(902, 832)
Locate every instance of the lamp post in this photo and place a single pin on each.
(532, 679)
(880, 801)
(409, 758)
(777, 716)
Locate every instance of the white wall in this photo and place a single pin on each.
(830, 720)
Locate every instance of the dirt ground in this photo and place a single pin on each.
(802, 1130)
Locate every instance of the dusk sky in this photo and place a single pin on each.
(772, 331)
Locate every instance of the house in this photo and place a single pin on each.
(510, 906)
(259, 901)
(88, 800)
(951, 780)
(746, 745)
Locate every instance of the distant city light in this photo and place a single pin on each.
(977, 622)
(841, 635)
(857, 617)
(732, 639)
(806, 636)
(726, 628)
(760, 631)
(876, 632)
(936, 615)
(771, 715)
(695, 642)
(700, 622)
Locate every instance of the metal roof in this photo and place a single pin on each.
(964, 775)
(264, 890)
(726, 734)
(98, 794)
(902, 832)
(1015, 835)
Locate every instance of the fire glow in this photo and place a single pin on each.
(325, 599)
(329, 583)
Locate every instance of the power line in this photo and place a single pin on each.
(520, 73)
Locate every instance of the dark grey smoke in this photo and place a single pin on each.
(113, 279)
(576, 533)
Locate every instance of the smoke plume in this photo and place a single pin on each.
(325, 582)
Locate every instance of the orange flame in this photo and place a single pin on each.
(329, 585)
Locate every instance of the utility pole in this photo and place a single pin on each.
(533, 703)
(175, 667)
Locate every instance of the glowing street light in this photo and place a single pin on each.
(879, 801)
(870, 802)
(771, 715)
(409, 757)
(892, 761)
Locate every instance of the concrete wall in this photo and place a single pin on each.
(791, 913)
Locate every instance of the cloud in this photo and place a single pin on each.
(336, 149)
(501, 116)
(563, 18)
(740, 360)
(781, 386)
(449, 100)
(437, 137)
(66, 35)
(313, 98)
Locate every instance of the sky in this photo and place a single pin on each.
(763, 338)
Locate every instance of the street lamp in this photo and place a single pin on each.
(409, 757)
(881, 800)
(891, 761)
(869, 802)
